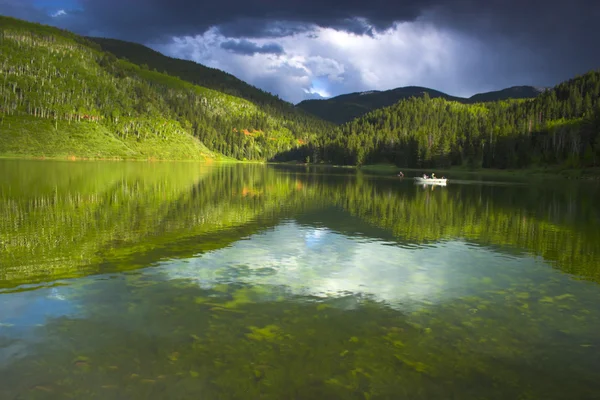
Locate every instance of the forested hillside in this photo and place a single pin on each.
(195, 73)
(346, 107)
(561, 126)
(60, 94)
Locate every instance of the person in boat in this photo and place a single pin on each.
(400, 174)
(432, 175)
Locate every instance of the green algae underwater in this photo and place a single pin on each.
(184, 280)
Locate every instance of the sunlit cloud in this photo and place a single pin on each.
(326, 62)
(318, 93)
(58, 13)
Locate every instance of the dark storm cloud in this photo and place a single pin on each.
(255, 28)
(247, 47)
(265, 28)
(145, 20)
(540, 41)
(23, 9)
(522, 41)
(148, 20)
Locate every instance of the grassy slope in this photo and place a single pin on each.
(25, 136)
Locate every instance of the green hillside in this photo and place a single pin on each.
(61, 95)
(191, 71)
(346, 107)
(559, 127)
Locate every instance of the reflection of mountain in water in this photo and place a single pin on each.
(98, 217)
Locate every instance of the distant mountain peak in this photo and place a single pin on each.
(346, 107)
(513, 92)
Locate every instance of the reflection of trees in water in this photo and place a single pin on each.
(552, 223)
(134, 210)
(236, 341)
(92, 217)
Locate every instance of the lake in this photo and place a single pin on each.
(197, 281)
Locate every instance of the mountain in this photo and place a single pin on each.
(63, 95)
(515, 92)
(561, 126)
(346, 107)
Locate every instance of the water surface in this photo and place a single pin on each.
(183, 280)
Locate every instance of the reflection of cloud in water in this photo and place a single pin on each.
(313, 237)
(32, 308)
(324, 263)
(21, 313)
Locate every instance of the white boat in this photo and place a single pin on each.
(431, 181)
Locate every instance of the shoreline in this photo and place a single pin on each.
(525, 173)
(222, 160)
(391, 170)
(592, 174)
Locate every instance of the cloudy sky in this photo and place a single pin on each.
(310, 48)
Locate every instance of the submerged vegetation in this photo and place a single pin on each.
(303, 348)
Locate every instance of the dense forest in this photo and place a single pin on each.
(57, 76)
(561, 126)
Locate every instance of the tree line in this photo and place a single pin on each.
(561, 126)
